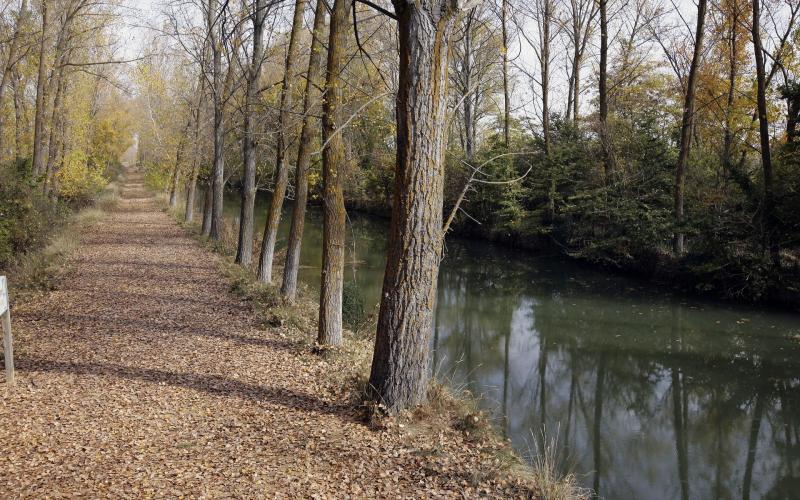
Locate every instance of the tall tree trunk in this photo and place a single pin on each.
(208, 208)
(19, 114)
(176, 169)
(191, 188)
(506, 90)
(11, 61)
(330, 301)
(282, 169)
(733, 54)
(605, 138)
(399, 373)
(244, 251)
(576, 85)
(687, 123)
(54, 143)
(545, 69)
(467, 102)
(582, 12)
(768, 211)
(544, 61)
(41, 98)
(307, 135)
(792, 115)
(214, 23)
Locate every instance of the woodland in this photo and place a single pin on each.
(643, 136)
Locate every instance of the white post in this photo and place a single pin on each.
(8, 343)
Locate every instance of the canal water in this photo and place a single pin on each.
(644, 394)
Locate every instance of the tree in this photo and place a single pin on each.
(176, 169)
(307, 136)
(581, 18)
(544, 18)
(686, 127)
(191, 183)
(12, 59)
(214, 30)
(333, 163)
(244, 252)
(506, 89)
(602, 96)
(732, 13)
(281, 167)
(38, 127)
(768, 211)
(399, 372)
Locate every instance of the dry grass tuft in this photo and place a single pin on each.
(108, 199)
(546, 472)
(44, 269)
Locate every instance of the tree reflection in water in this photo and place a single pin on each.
(648, 396)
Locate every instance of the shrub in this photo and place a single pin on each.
(352, 305)
(26, 216)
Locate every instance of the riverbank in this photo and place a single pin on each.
(750, 281)
(143, 374)
(447, 417)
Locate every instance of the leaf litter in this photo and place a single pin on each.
(142, 375)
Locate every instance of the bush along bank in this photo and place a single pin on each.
(39, 231)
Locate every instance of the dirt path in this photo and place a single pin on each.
(142, 376)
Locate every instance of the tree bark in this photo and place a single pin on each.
(11, 61)
(19, 114)
(733, 54)
(544, 61)
(792, 115)
(678, 244)
(282, 169)
(54, 143)
(176, 170)
(582, 13)
(41, 98)
(506, 90)
(466, 75)
(244, 251)
(333, 158)
(208, 207)
(307, 135)
(191, 189)
(218, 173)
(576, 86)
(768, 211)
(605, 139)
(399, 373)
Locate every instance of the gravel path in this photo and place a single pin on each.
(142, 376)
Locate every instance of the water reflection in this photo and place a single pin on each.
(646, 395)
(649, 397)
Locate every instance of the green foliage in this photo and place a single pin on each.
(352, 305)
(156, 176)
(626, 217)
(26, 216)
(79, 180)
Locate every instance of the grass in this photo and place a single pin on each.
(42, 270)
(447, 409)
(546, 471)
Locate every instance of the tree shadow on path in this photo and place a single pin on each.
(215, 385)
